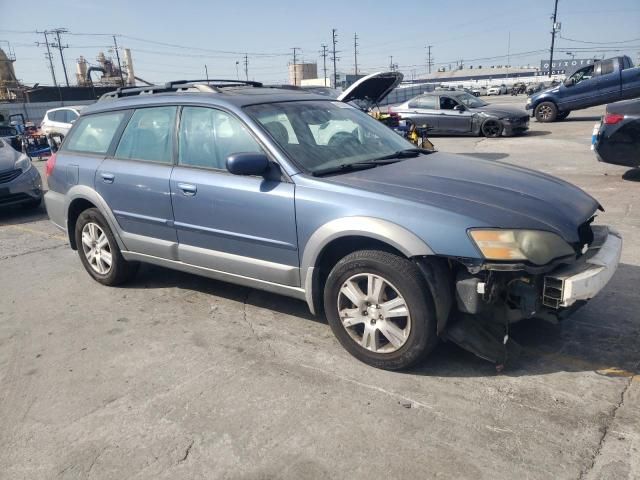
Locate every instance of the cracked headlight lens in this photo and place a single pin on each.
(536, 246)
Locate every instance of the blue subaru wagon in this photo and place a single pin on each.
(306, 196)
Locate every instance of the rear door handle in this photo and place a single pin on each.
(108, 177)
(188, 189)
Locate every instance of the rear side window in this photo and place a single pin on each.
(606, 67)
(59, 116)
(149, 135)
(423, 102)
(94, 133)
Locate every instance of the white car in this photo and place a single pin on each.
(58, 121)
(497, 90)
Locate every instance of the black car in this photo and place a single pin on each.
(617, 138)
(460, 113)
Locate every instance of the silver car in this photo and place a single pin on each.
(20, 182)
(460, 113)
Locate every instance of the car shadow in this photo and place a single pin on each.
(632, 175)
(590, 118)
(17, 214)
(536, 133)
(601, 337)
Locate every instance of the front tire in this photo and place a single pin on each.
(379, 307)
(99, 251)
(546, 112)
(492, 128)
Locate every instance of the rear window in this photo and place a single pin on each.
(94, 133)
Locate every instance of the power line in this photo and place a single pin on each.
(295, 73)
(323, 53)
(334, 58)
(598, 43)
(553, 34)
(355, 52)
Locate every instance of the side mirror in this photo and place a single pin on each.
(459, 108)
(247, 163)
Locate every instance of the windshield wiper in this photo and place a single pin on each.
(349, 167)
(406, 153)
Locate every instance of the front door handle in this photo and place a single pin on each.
(108, 177)
(188, 189)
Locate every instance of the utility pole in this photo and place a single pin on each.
(355, 52)
(553, 35)
(323, 53)
(59, 46)
(115, 44)
(295, 73)
(246, 67)
(49, 57)
(334, 58)
(429, 59)
(206, 72)
(391, 63)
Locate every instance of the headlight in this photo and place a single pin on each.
(23, 163)
(536, 246)
(528, 102)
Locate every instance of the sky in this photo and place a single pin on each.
(175, 40)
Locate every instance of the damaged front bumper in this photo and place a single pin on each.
(490, 298)
(584, 280)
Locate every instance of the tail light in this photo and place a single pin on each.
(613, 118)
(50, 165)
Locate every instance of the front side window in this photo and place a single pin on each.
(148, 135)
(447, 103)
(60, 116)
(581, 75)
(94, 133)
(208, 136)
(330, 133)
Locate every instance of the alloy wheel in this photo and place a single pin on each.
(96, 248)
(545, 112)
(374, 313)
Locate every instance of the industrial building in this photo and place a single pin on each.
(302, 71)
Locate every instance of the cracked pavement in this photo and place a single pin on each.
(176, 376)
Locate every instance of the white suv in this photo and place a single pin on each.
(59, 120)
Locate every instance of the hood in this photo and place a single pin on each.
(8, 156)
(553, 89)
(491, 193)
(502, 111)
(373, 88)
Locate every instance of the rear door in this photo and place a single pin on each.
(424, 110)
(453, 121)
(243, 225)
(134, 181)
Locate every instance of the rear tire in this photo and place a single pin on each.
(99, 251)
(379, 307)
(546, 112)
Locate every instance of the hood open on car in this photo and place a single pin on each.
(373, 88)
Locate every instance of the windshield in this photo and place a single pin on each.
(470, 100)
(319, 135)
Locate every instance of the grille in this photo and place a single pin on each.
(14, 197)
(9, 175)
(552, 292)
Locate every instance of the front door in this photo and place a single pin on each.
(135, 182)
(244, 225)
(453, 121)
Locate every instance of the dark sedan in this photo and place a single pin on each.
(459, 113)
(617, 138)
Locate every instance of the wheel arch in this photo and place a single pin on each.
(339, 237)
(80, 198)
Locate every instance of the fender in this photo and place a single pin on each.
(87, 193)
(388, 232)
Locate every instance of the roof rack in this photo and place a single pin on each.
(209, 85)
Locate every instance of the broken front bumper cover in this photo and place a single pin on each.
(584, 280)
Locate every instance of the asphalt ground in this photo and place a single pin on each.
(175, 376)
